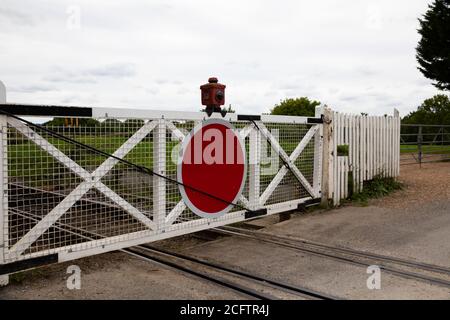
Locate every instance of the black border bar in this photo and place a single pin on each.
(315, 120)
(43, 110)
(248, 117)
(302, 206)
(28, 264)
(255, 213)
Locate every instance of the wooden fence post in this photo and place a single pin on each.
(327, 156)
(397, 136)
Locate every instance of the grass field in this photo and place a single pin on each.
(431, 149)
(28, 163)
(26, 159)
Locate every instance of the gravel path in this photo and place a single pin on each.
(430, 183)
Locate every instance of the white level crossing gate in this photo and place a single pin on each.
(61, 201)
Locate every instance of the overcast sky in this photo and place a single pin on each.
(354, 55)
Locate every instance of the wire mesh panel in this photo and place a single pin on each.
(289, 137)
(104, 184)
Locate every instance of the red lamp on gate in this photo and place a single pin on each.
(213, 96)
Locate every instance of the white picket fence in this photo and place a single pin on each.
(373, 150)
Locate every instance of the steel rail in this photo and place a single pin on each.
(248, 291)
(426, 266)
(218, 280)
(277, 284)
(279, 241)
(298, 245)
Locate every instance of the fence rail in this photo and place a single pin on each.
(422, 143)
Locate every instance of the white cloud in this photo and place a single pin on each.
(356, 56)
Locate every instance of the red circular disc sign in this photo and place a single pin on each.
(212, 168)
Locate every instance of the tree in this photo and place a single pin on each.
(228, 110)
(132, 125)
(433, 50)
(82, 122)
(111, 125)
(296, 107)
(435, 110)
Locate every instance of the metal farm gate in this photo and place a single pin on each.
(62, 201)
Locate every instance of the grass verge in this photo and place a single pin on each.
(376, 188)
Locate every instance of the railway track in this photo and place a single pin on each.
(245, 283)
(430, 273)
(229, 277)
(256, 286)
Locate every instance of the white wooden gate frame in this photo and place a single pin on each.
(162, 226)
